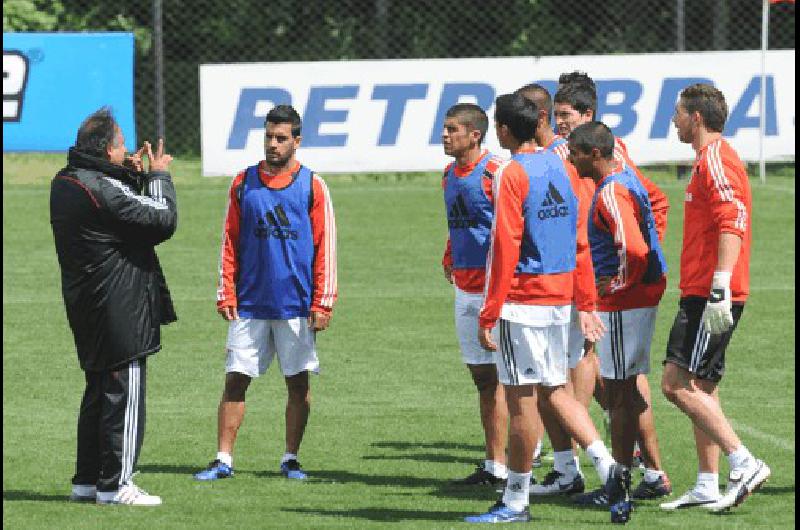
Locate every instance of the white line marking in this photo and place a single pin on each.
(777, 441)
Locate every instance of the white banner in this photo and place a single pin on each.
(387, 115)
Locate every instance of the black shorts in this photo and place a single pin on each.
(701, 354)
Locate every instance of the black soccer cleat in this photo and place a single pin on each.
(618, 489)
(480, 477)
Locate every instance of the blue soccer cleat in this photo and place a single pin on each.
(618, 489)
(291, 469)
(214, 471)
(500, 513)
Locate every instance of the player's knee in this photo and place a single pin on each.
(670, 388)
(235, 387)
(486, 384)
(297, 386)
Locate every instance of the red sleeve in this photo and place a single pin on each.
(447, 260)
(585, 292)
(323, 227)
(616, 212)
(723, 182)
(658, 199)
(229, 260)
(510, 190)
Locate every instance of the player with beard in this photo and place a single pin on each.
(277, 285)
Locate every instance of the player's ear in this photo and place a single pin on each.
(297, 141)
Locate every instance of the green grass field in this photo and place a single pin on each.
(394, 414)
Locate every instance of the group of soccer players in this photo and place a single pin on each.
(555, 254)
(556, 259)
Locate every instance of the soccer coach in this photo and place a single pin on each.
(107, 217)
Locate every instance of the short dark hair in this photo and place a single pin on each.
(519, 114)
(97, 132)
(709, 102)
(471, 116)
(539, 95)
(285, 114)
(577, 78)
(593, 135)
(580, 96)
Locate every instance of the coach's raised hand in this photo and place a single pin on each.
(160, 161)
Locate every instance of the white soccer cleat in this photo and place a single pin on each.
(83, 493)
(741, 483)
(129, 494)
(690, 499)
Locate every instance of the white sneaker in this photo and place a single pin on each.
(690, 499)
(83, 493)
(741, 483)
(130, 494)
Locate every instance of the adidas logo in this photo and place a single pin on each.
(553, 204)
(275, 224)
(458, 216)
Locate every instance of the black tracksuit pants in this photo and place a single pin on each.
(111, 426)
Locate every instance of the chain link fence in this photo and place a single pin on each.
(193, 32)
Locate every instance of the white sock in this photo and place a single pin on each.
(561, 459)
(652, 475)
(287, 457)
(225, 458)
(517, 490)
(577, 463)
(601, 459)
(707, 485)
(739, 458)
(495, 468)
(538, 450)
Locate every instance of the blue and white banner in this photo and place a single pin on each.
(388, 115)
(53, 81)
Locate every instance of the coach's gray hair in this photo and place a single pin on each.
(97, 132)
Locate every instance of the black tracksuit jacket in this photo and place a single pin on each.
(106, 222)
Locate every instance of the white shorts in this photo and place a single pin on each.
(252, 344)
(624, 350)
(467, 309)
(531, 355)
(576, 339)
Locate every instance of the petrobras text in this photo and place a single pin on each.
(52, 81)
(362, 116)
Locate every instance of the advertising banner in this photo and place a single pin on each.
(53, 81)
(364, 116)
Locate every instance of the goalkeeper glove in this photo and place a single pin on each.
(717, 317)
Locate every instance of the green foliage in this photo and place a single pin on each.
(31, 15)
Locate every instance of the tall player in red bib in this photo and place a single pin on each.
(277, 285)
(715, 267)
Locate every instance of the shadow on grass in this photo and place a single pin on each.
(170, 469)
(425, 457)
(389, 444)
(384, 514)
(347, 477)
(775, 490)
(22, 495)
